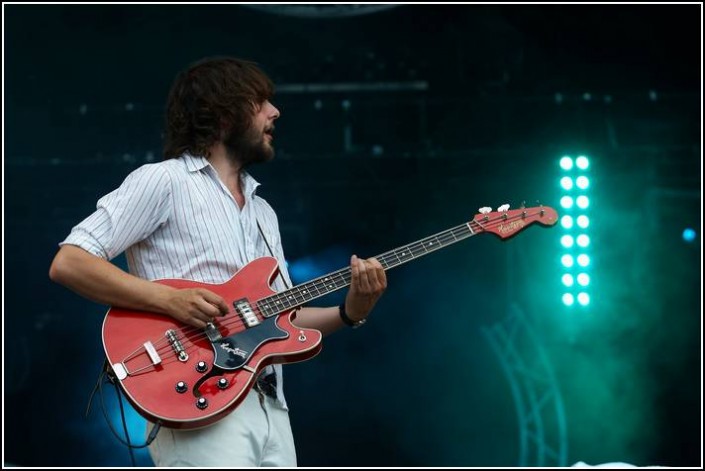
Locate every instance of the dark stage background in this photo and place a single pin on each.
(397, 122)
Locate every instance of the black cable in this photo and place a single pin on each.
(124, 427)
(96, 387)
(106, 376)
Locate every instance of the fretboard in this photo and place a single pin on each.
(326, 284)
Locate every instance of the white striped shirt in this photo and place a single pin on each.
(177, 219)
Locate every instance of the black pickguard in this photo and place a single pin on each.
(235, 351)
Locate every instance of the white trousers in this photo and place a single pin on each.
(257, 433)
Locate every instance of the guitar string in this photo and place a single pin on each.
(344, 274)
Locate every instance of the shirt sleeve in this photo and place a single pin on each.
(127, 215)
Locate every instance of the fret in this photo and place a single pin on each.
(310, 286)
(404, 254)
(385, 264)
(329, 283)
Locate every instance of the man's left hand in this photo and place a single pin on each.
(368, 283)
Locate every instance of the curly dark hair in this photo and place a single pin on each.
(212, 95)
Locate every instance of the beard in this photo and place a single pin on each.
(248, 148)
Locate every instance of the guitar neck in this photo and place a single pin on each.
(339, 279)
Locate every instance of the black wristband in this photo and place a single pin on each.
(347, 320)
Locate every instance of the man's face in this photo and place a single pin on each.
(255, 145)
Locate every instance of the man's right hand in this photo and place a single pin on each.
(195, 306)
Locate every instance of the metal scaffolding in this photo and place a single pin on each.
(539, 405)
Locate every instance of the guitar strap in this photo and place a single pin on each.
(267, 381)
(271, 252)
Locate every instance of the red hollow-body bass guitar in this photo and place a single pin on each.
(186, 378)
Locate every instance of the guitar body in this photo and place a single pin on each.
(160, 362)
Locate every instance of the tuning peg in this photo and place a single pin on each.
(485, 210)
(502, 208)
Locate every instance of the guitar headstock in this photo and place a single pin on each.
(506, 223)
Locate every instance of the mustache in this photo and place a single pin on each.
(269, 130)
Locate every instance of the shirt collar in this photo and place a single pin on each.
(195, 163)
